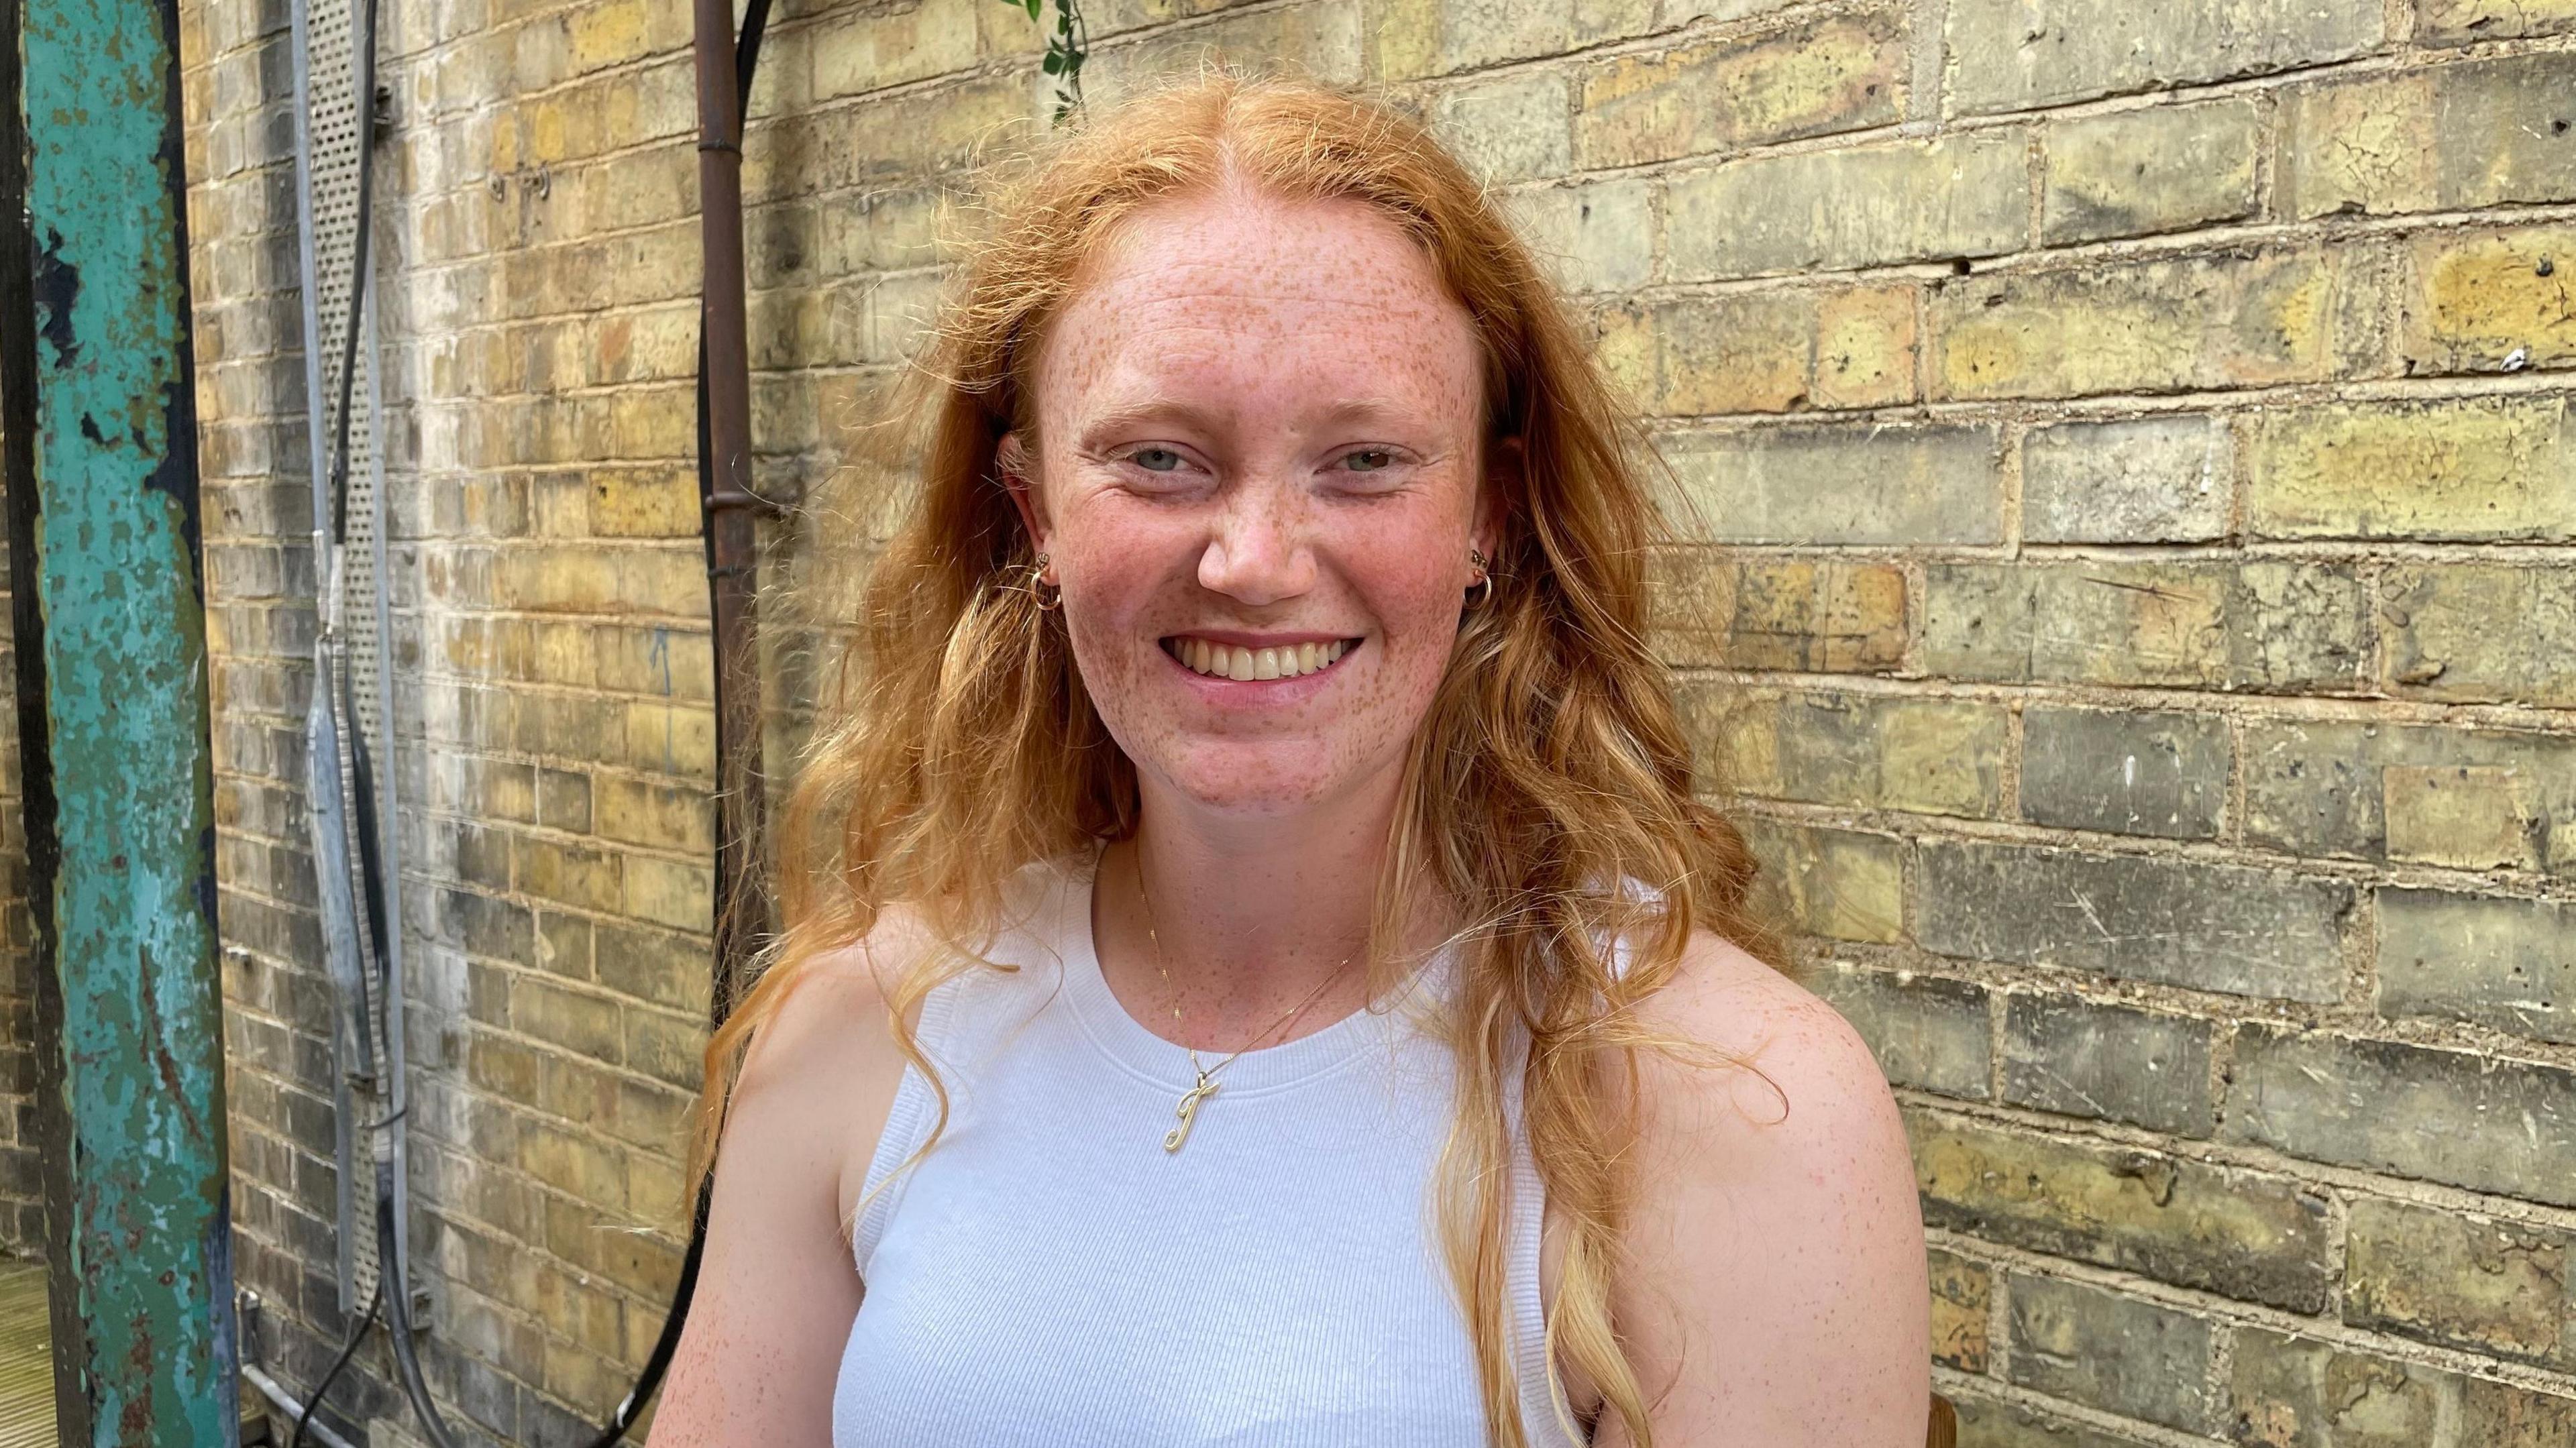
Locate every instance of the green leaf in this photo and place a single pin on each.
(1054, 62)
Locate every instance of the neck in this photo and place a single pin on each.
(1252, 918)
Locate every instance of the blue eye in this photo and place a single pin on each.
(1155, 459)
(1369, 459)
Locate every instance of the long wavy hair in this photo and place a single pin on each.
(1549, 769)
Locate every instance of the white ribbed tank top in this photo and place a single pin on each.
(1048, 1277)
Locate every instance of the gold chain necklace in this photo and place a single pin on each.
(1188, 1110)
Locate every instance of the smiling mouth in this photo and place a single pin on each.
(1244, 665)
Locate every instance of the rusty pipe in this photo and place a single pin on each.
(741, 902)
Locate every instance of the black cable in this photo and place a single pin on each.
(348, 1349)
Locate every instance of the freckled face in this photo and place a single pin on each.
(1258, 432)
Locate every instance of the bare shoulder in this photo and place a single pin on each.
(757, 1361)
(821, 1074)
(1788, 1051)
(1778, 1278)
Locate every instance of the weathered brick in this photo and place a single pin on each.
(1865, 347)
(1960, 1289)
(2505, 963)
(1779, 351)
(2164, 168)
(1985, 1423)
(2164, 324)
(1939, 483)
(1596, 236)
(1842, 884)
(2470, 1120)
(1513, 127)
(2458, 21)
(2123, 1354)
(1325, 38)
(2441, 795)
(2487, 301)
(644, 812)
(2137, 773)
(2443, 642)
(2273, 626)
(2474, 468)
(2469, 819)
(1742, 352)
(2459, 1280)
(2449, 137)
(1810, 615)
(2014, 54)
(1930, 755)
(873, 49)
(2248, 1235)
(2291, 1392)
(668, 892)
(2500, 1415)
(1962, 196)
(1835, 73)
(1928, 1032)
(2135, 480)
(1435, 37)
(587, 1024)
(2238, 929)
(2088, 1058)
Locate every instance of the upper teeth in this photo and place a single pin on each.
(1225, 661)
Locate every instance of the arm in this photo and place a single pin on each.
(1777, 1291)
(777, 1288)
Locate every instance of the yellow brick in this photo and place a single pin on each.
(669, 893)
(2492, 300)
(1865, 348)
(1745, 352)
(2161, 325)
(2450, 137)
(2158, 169)
(660, 815)
(1839, 73)
(555, 578)
(677, 739)
(1432, 37)
(1840, 884)
(1960, 1290)
(574, 1162)
(1802, 614)
(2465, 817)
(2463, 20)
(612, 32)
(1939, 757)
(873, 49)
(2478, 468)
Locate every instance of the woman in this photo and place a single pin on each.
(1256, 972)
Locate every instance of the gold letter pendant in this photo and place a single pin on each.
(1189, 1111)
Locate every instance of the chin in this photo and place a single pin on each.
(1258, 781)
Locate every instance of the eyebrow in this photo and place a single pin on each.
(1160, 409)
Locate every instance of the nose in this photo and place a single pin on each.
(1259, 552)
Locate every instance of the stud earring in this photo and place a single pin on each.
(1038, 585)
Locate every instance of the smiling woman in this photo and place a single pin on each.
(1256, 971)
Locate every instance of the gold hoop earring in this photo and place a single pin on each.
(1038, 583)
(1484, 579)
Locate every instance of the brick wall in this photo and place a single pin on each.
(2124, 452)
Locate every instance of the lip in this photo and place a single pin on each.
(1241, 640)
(1279, 691)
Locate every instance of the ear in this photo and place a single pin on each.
(1018, 469)
(1504, 459)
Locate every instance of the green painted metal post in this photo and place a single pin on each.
(98, 412)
